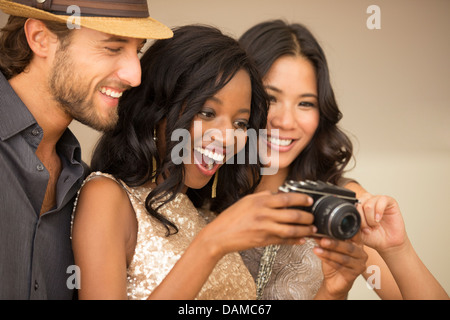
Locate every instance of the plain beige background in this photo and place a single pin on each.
(392, 85)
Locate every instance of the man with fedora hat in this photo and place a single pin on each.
(59, 60)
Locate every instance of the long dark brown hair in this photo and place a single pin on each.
(330, 150)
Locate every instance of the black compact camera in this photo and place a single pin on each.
(334, 208)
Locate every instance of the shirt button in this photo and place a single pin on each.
(35, 132)
(36, 285)
(40, 167)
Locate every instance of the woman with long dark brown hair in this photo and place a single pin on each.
(311, 146)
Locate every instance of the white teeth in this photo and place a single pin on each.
(280, 142)
(210, 154)
(111, 93)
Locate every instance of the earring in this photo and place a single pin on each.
(154, 170)
(154, 159)
(214, 186)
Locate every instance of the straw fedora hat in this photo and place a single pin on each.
(126, 18)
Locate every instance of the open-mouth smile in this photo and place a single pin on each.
(208, 161)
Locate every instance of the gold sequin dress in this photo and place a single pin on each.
(156, 254)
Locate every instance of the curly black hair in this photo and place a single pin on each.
(178, 76)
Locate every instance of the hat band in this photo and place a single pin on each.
(99, 8)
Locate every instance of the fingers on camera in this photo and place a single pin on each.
(285, 200)
(342, 252)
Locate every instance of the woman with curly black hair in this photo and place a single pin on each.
(137, 232)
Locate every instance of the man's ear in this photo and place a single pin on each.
(39, 37)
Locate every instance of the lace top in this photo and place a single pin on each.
(287, 272)
(156, 254)
(296, 273)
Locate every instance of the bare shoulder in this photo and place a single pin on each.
(103, 227)
(356, 187)
(103, 203)
(101, 192)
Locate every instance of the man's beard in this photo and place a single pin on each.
(74, 95)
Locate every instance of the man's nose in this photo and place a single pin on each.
(130, 70)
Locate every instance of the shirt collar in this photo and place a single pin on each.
(14, 114)
(15, 117)
(69, 146)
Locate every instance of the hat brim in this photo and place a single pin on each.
(142, 28)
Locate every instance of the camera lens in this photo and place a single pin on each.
(347, 223)
(336, 217)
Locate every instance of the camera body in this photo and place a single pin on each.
(334, 208)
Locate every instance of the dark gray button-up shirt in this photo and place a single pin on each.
(36, 258)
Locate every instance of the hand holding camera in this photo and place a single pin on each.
(342, 262)
(382, 223)
(258, 220)
(338, 222)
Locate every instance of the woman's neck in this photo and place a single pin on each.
(272, 182)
